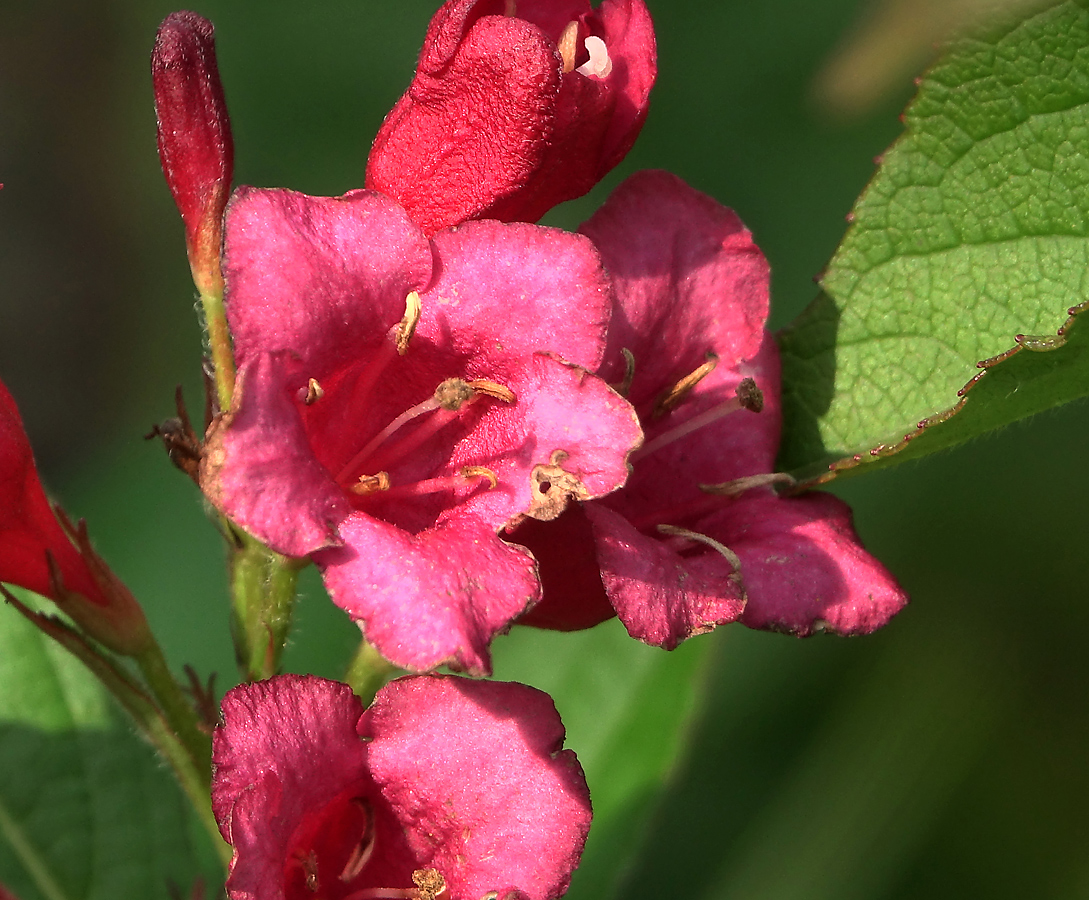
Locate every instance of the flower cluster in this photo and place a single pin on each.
(466, 421)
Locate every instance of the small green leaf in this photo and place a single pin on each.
(627, 708)
(975, 230)
(86, 810)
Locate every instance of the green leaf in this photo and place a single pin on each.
(86, 810)
(627, 708)
(972, 232)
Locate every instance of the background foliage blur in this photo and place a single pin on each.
(943, 757)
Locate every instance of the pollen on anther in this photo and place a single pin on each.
(480, 472)
(314, 392)
(371, 484)
(568, 45)
(492, 389)
(411, 318)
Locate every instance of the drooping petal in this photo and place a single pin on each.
(662, 597)
(803, 566)
(476, 771)
(28, 528)
(323, 277)
(258, 467)
(433, 598)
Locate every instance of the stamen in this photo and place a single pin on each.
(748, 397)
(371, 484)
(510, 9)
(623, 387)
(599, 64)
(492, 389)
(441, 483)
(739, 485)
(362, 851)
(314, 392)
(568, 45)
(407, 326)
(731, 557)
(672, 398)
(480, 472)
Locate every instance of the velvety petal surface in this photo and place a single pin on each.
(287, 748)
(495, 124)
(662, 597)
(28, 528)
(476, 771)
(319, 276)
(803, 566)
(429, 599)
(474, 124)
(259, 469)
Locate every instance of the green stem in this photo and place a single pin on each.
(368, 671)
(219, 339)
(263, 585)
(179, 712)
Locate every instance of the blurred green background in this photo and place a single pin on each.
(943, 757)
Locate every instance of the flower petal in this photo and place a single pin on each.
(259, 470)
(434, 598)
(663, 598)
(320, 276)
(803, 566)
(476, 771)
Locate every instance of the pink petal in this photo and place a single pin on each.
(259, 470)
(504, 291)
(662, 598)
(476, 771)
(287, 748)
(803, 566)
(323, 277)
(430, 599)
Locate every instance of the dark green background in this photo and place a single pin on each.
(944, 757)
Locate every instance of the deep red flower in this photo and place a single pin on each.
(194, 135)
(516, 105)
(698, 537)
(41, 555)
(444, 787)
(400, 401)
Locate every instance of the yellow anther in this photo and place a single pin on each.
(568, 45)
(314, 392)
(492, 389)
(371, 484)
(480, 472)
(411, 318)
(672, 397)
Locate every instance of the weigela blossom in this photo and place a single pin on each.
(194, 135)
(58, 562)
(444, 788)
(516, 105)
(698, 537)
(400, 401)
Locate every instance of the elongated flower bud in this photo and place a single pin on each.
(194, 135)
(54, 557)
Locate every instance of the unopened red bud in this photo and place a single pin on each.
(194, 135)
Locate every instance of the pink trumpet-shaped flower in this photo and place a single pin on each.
(400, 401)
(444, 788)
(516, 105)
(698, 537)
